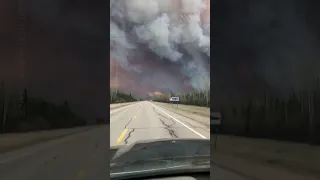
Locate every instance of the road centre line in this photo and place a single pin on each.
(121, 136)
(125, 131)
(179, 121)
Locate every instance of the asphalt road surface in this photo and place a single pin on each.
(76, 157)
(144, 120)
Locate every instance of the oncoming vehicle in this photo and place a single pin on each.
(161, 159)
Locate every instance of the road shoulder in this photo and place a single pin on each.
(194, 113)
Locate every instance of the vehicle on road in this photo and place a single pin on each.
(174, 99)
(161, 158)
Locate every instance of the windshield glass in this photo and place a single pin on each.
(162, 156)
(159, 85)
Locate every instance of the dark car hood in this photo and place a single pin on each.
(160, 157)
(159, 149)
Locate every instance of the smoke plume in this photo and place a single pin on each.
(165, 44)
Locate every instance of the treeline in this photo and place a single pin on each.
(296, 118)
(120, 97)
(19, 113)
(197, 98)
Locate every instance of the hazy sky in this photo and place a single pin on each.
(66, 51)
(159, 45)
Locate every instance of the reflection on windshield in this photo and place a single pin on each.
(163, 150)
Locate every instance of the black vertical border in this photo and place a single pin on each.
(108, 87)
(214, 38)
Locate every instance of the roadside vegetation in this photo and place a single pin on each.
(120, 97)
(197, 98)
(34, 113)
(295, 118)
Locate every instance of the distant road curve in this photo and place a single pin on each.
(118, 105)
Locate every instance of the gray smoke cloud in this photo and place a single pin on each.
(157, 35)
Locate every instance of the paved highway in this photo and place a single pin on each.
(77, 157)
(144, 120)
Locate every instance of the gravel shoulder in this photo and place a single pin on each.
(270, 159)
(205, 111)
(118, 105)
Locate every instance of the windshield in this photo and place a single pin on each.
(161, 157)
(159, 85)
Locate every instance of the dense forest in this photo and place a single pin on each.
(19, 113)
(295, 118)
(120, 97)
(197, 98)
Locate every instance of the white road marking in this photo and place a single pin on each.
(122, 108)
(179, 122)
